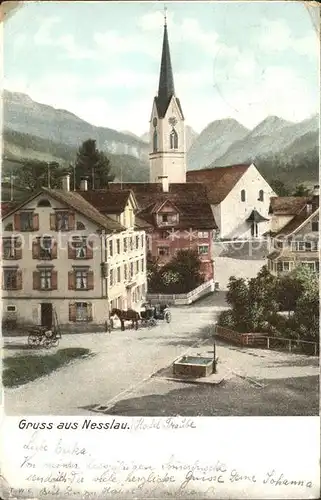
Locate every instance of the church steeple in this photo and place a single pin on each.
(167, 129)
(166, 81)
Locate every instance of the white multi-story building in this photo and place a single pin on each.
(62, 257)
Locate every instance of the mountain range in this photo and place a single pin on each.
(38, 131)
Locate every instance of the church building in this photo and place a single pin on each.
(179, 212)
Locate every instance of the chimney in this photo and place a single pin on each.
(66, 182)
(84, 185)
(316, 190)
(165, 183)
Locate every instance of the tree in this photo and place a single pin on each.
(301, 190)
(35, 174)
(279, 187)
(93, 165)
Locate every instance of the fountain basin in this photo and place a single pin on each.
(193, 366)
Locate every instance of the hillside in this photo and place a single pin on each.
(213, 142)
(18, 146)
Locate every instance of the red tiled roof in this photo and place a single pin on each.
(287, 205)
(190, 199)
(107, 201)
(219, 180)
(7, 206)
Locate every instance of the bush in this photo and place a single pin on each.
(226, 319)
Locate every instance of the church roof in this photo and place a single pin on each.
(219, 180)
(189, 198)
(166, 88)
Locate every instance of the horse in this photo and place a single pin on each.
(129, 315)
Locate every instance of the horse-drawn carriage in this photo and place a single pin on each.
(43, 336)
(148, 315)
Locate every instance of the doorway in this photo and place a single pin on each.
(46, 314)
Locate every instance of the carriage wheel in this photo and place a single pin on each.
(152, 322)
(33, 339)
(47, 343)
(54, 341)
(168, 317)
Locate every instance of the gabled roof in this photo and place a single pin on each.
(142, 224)
(298, 221)
(108, 202)
(78, 203)
(190, 199)
(161, 203)
(219, 180)
(287, 205)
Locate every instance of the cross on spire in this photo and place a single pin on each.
(165, 15)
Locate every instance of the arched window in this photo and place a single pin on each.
(44, 203)
(80, 225)
(243, 195)
(173, 139)
(155, 141)
(261, 195)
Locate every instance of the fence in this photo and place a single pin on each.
(266, 342)
(182, 299)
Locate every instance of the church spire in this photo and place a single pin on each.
(166, 81)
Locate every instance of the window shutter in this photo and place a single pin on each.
(54, 249)
(71, 251)
(36, 248)
(71, 280)
(53, 222)
(54, 280)
(89, 311)
(72, 311)
(90, 280)
(16, 222)
(18, 248)
(89, 249)
(19, 279)
(36, 280)
(35, 222)
(71, 221)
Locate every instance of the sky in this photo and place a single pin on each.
(101, 60)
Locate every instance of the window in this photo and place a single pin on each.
(279, 266)
(44, 203)
(173, 138)
(203, 249)
(125, 244)
(83, 311)
(137, 266)
(26, 221)
(137, 242)
(309, 208)
(11, 308)
(125, 272)
(45, 248)
(163, 251)
(143, 265)
(278, 244)
(81, 282)
(9, 227)
(62, 221)
(317, 266)
(310, 265)
(118, 275)
(155, 141)
(45, 279)
(286, 266)
(315, 226)
(202, 234)
(261, 195)
(131, 269)
(80, 245)
(142, 242)
(11, 248)
(167, 218)
(131, 243)
(164, 235)
(118, 246)
(243, 195)
(111, 277)
(80, 225)
(111, 248)
(12, 279)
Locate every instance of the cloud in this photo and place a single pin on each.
(276, 36)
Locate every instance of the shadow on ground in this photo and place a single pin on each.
(234, 397)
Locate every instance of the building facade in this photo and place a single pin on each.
(63, 259)
(295, 235)
(240, 199)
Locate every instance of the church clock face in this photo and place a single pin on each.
(154, 121)
(172, 121)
